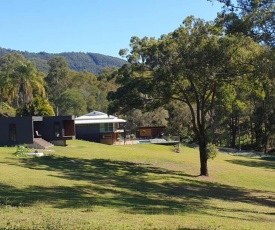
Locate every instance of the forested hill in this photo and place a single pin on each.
(78, 61)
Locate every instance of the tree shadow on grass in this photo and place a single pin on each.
(130, 187)
(264, 162)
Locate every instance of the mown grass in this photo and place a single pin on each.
(93, 186)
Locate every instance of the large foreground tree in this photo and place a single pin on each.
(189, 65)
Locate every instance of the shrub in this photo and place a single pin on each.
(211, 151)
(37, 107)
(21, 150)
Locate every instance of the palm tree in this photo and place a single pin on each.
(20, 80)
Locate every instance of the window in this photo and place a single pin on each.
(106, 127)
(12, 132)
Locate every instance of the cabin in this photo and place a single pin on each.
(150, 132)
(100, 127)
(36, 131)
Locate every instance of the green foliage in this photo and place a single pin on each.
(59, 78)
(6, 110)
(58, 71)
(211, 151)
(21, 150)
(19, 80)
(37, 107)
(157, 117)
(87, 86)
(188, 66)
(254, 18)
(71, 102)
(179, 122)
(89, 89)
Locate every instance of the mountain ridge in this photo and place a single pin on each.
(78, 61)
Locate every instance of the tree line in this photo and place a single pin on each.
(62, 91)
(78, 61)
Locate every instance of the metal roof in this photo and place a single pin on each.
(97, 117)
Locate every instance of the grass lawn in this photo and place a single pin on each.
(94, 186)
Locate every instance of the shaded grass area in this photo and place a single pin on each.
(134, 187)
(263, 162)
(139, 187)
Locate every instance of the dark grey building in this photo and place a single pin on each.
(33, 130)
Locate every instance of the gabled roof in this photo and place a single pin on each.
(97, 117)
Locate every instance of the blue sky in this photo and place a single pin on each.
(96, 26)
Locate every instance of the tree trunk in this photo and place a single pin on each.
(265, 141)
(251, 131)
(203, 157)
(198, 122)
(204, 168)
(233, 127)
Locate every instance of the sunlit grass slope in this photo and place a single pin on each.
(94, 186)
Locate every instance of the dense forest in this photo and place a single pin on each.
(77, 61)
(211, 83)
(24, 90)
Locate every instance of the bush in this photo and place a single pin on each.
(37, 107)
(211, 151)
(21, 150)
